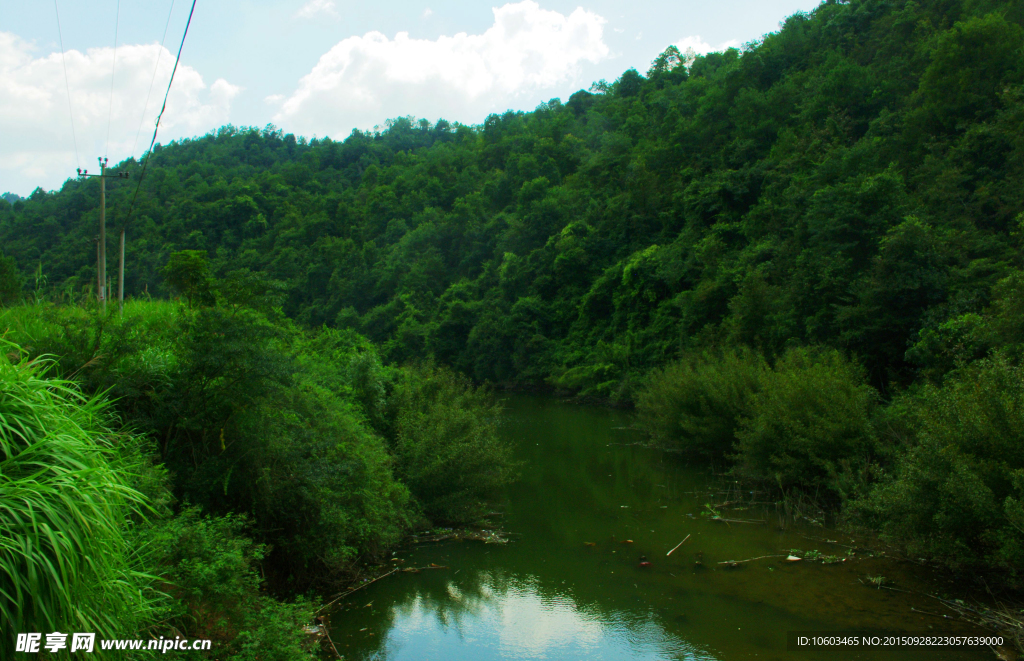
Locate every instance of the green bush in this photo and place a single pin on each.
(1007, 314)
(970, 336)
(254, 421)
(445, 440)
(127, 354)
(956, 495)
(11, 281)
(318, 482)
(302, 431)
(810, 425)
(211, 569)
(188, 273)
(67, 500)
(250, 415)
(696, 403)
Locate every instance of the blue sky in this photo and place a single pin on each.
(316, 67)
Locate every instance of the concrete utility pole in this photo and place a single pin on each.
(101, 257)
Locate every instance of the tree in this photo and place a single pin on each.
(11, 281)
(187, 272)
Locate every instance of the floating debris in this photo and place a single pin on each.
(733, 563)
(460, 534)
(678, 545)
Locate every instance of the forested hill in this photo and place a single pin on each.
(855, 179)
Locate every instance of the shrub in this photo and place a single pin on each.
(810, 424)
(11, 281)
(250, 415)
(956, 495)
(696, 403)
(445, 440)
(320, 481)
(210, 566)
(250, 425)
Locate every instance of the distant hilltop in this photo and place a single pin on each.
(12, 197)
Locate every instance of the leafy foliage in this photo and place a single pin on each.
(852, 180)
(446, 445)
(275, 432)
(187, 273)
(810, 425)
(956, 494)
(697, 404)
(806, 422)
(67, 495)
(212, 570)
(11, 281)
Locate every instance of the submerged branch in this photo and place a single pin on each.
(760, 557)
(677, 546)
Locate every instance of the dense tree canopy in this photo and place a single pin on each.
(853, 179)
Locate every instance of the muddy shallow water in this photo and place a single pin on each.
(568, 585)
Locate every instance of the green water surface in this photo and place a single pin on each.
(568, 587)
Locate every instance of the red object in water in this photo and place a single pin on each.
(645, 564)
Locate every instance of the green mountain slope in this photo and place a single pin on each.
(854, 179)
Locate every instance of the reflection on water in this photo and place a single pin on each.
(589, 509)
(502, 620)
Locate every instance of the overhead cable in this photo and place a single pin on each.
(153, 79)
(162, 108)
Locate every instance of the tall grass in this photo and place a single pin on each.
(33, 323)
(66, 503)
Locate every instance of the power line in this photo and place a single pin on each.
(113, 68)
(153, 79)
(67, 86)
(159, 116)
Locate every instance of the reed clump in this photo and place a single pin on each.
(67, 504)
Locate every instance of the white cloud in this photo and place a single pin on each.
(38, 149)
(314, 8)
(701, 47)
(363, 80)
(427, 13)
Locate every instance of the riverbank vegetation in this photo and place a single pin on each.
(206, 450)
(936, 467)
(802, 258)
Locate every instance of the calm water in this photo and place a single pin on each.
(550, 594)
